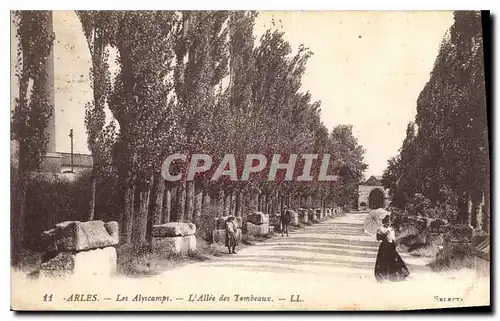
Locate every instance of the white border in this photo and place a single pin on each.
(188, 5)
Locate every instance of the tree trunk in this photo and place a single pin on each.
(247, 203)
(220, 203)
(309, 201)
(189, 201)
(237, 205)
(469, 210)
(181, 202)
(19, 219)
(167, 204)
(143, 210)
(136, 216)
(229, 203)
(154, 208)
(463, 208)
(226, 205)
(487, 210)
(253, 204)
(198, 200)
(205, 201)
(93, 179)
(475, 210)
(279, 203)
(127, 215)
(174, 204)
(234, 196)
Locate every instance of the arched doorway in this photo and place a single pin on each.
(376, 199)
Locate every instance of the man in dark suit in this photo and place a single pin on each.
(285, 220)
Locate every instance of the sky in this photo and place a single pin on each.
(368, 69)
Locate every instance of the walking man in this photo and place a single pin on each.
(285, 220)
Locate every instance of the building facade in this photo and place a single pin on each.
(372, 195)
(68, 89)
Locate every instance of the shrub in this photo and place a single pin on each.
(438, 225)
(459, 233)
(419, 205)
(206, 225)
(398, 218)
(460, 257)
(52, 198)
(445, 206)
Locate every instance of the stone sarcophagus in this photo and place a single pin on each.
(303, 215)
(294, 218)
(71, 245)
(258, 224)
(313, 217)
(174, 237)
(258, 218)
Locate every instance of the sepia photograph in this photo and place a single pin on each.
(249, 160)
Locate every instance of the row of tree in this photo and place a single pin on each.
(199, 82)
(445, 155)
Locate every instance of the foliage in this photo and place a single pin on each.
(141, 100)
(53, 198)
(198, 82)
(32, 110)
(445, 154)
(33, 107)
(98, 30)
(207, 223)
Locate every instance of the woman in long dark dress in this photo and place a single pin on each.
(389, 264)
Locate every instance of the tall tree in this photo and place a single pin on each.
(143, 105)
(449, 153)
(98, 28)
(201, 64)
(33, 107)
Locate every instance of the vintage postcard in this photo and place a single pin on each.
(249, 160)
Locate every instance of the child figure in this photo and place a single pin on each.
(231, 240)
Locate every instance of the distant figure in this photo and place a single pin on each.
(231, 240)
(389, 264)
(285, 220)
